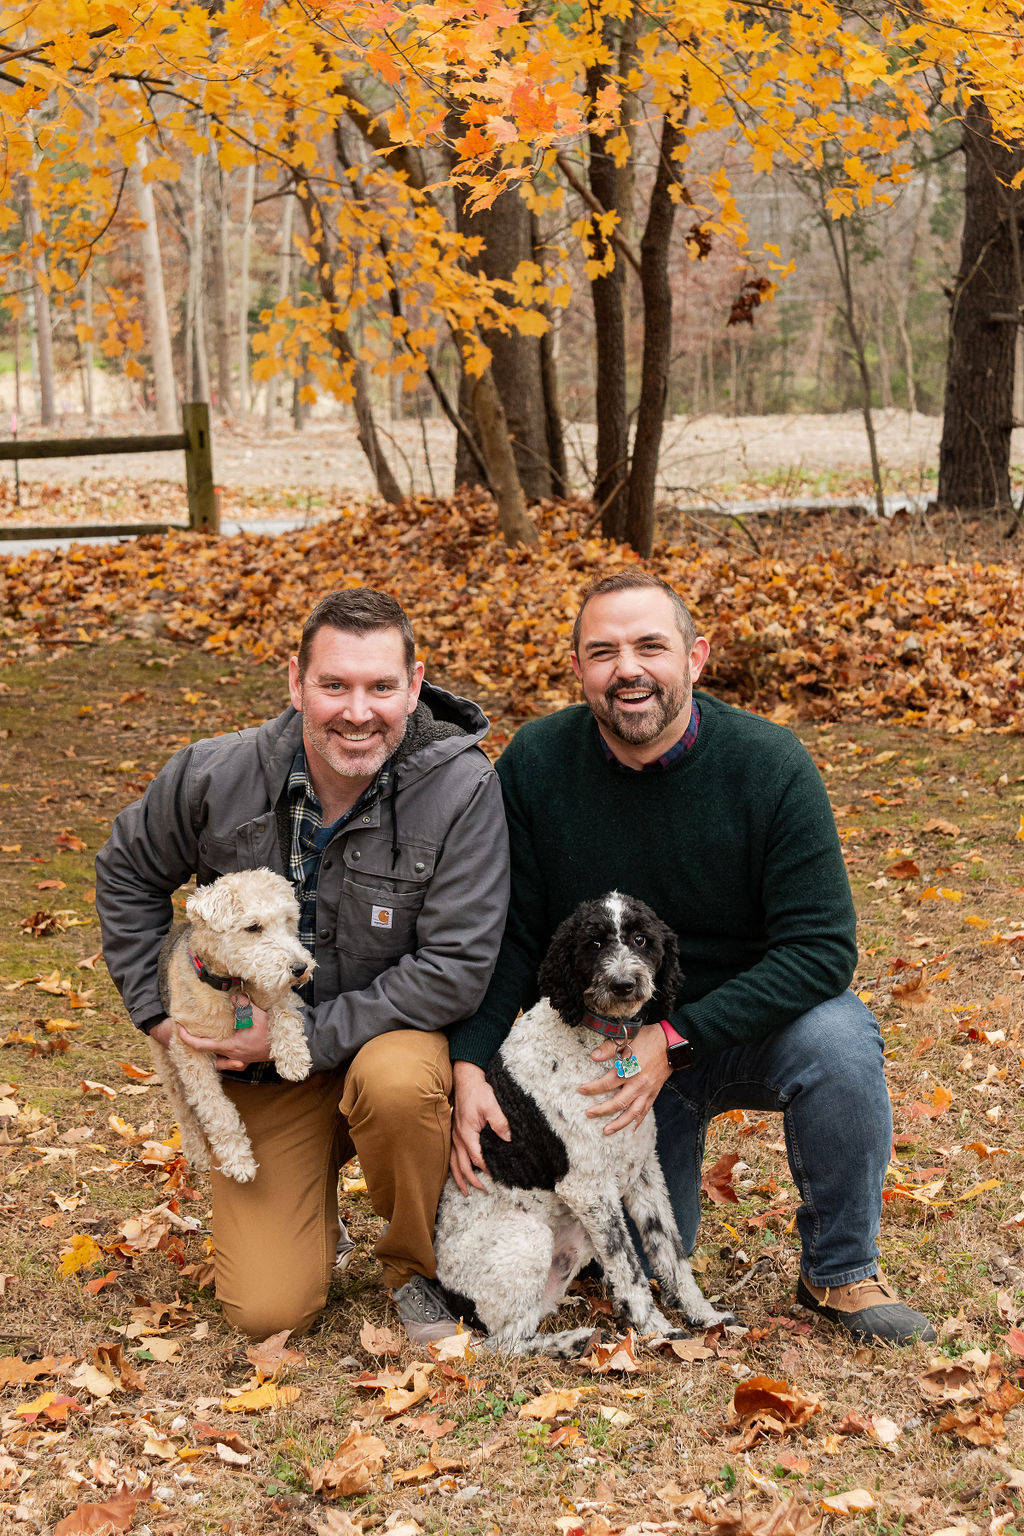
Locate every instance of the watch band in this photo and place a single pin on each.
(680, 1051)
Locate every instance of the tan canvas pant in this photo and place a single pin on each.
(275, 1238)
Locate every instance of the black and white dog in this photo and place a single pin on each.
(556, 1191)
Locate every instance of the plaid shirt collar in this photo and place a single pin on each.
(309, 838)
(674, 753)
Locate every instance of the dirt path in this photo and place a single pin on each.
(700, 456)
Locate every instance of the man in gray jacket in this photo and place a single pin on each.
(371, 794)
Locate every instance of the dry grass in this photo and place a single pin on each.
(78, 742)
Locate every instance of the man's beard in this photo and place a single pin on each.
(351, 763)
(640, 727)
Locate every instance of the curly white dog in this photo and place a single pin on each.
(556, 1191)
(239, 947)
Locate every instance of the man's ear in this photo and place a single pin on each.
(415, 684)
(698, 657)
(575, 663)
(294, 683)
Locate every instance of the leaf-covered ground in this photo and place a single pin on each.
(121, 1387)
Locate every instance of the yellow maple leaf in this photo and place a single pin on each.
(82, 1253)
(267, 1396)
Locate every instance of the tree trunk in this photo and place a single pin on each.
(41, 310)
(611, 476)
(200, 370)
(496, 442)
(283, 288)
(157, 326)
(657, 299)
(974, 455)
(848, 309)
(88, 353)
(220, 282)
(244, 377)
(516, 365)
(549, 378)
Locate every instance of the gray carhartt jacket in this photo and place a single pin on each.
(433, 853)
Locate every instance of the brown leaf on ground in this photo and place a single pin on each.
(379, 1341)
(15, 1371)
(903, 869)
(357, 1461)
(785, 1518)
(618, 1356)
(115, 1514)
(428, 1425)
(716, 1181)
(763, 1407)
(912, 993)
(977, 1426)
(433, 1466)
(270, 1357)
(335, 1522)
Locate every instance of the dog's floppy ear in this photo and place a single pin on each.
(214, 904)
(557, 979)
(669, 978)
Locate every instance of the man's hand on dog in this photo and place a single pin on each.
(631, 1097)
(475, 1107)
(243, 1048)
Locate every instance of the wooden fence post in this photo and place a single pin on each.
(203, 511)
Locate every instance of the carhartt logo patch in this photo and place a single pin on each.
(383, 917)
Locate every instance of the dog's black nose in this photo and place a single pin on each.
(623, 988)
(299, 968)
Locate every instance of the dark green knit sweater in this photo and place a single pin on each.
(734, 847)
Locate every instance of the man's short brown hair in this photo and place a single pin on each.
(357, 611)
(633, 579)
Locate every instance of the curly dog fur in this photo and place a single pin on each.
(555, 1193)
(242, 932)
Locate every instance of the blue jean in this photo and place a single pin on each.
(825, 1073)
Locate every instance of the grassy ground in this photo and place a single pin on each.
(89, 1176)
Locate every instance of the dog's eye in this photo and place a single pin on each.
(639, 941)
(255, 928)
(595, 944)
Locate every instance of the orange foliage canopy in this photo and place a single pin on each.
(488, 93)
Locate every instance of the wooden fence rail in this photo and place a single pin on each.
(194, 439)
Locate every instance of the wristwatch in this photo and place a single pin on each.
(680, 1051)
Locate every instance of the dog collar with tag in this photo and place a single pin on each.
(218, 983)
(622, 1030)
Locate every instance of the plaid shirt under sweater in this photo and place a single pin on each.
(674, 753)
(309, 838)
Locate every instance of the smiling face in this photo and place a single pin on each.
(356, 696)
(636, 671)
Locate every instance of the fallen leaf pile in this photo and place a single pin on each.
(797, 632)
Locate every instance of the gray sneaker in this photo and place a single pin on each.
(422, 1311)
(343, 1252)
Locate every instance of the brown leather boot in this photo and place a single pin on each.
(869, 1310)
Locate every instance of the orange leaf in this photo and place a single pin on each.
(116, 1514)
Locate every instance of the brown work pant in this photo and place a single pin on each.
(275, 1238)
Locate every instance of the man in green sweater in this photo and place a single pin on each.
(719, 820)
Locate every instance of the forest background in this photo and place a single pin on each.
(515, 237)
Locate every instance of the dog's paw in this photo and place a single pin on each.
(294, 1066)
(242, 1169)
(708, 1317)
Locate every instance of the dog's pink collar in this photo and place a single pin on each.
(218, 983)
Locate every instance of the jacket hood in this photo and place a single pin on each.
(442, 725)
